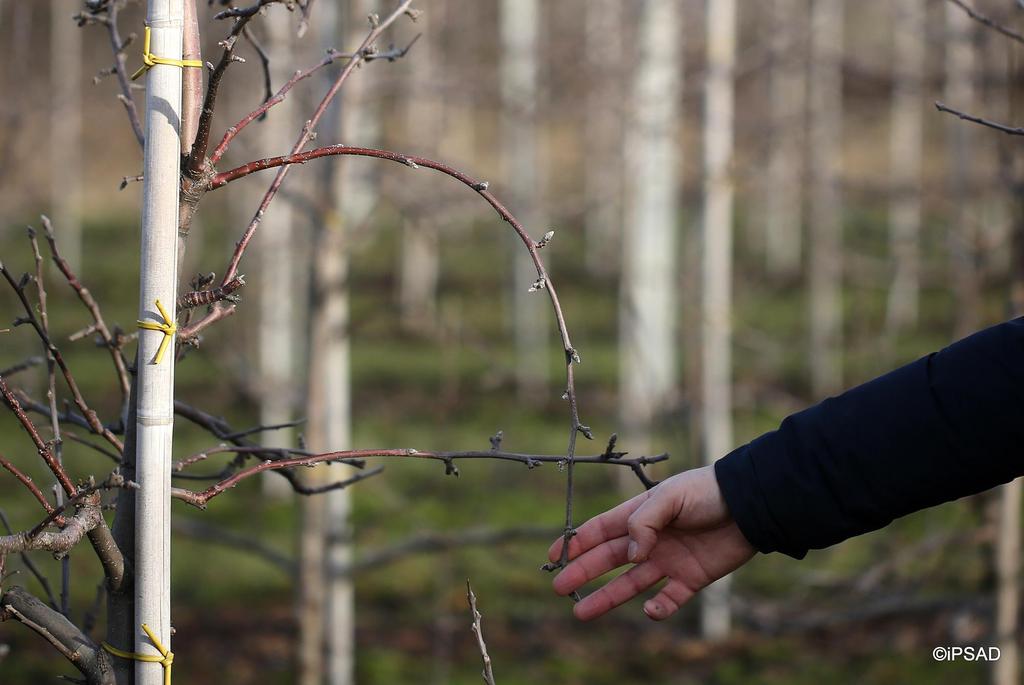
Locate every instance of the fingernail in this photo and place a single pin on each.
(632, 551)
(651, 609)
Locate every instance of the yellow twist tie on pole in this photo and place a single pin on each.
(149, 60)
(168, 328)
(165, 659)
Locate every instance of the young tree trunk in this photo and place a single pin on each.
(155, 401)
(66, 130)
(826, 259)
(602, 130)
(716, 325)
(996, 224)
(1006, 671)
(278, 325)
(520, 25)
(121, 627)
(647, 305)
(355, 192)
(327, 651)
(419, 272)
(960, 92)
(906, 138)
(788, 104)
(328, 639)
(419, 260)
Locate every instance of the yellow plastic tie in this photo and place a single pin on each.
(149, 60)
(168, 328)
(165, 659)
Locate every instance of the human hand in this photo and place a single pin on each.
(681, 530)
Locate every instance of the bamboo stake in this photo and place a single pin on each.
(158, 279)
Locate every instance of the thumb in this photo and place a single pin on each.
(647, 521)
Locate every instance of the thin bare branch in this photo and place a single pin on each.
(1010, 130)
(201, 499)
(44, 449)
(994, 25)
(277, 98)
(244, 12)
(109, 454)
(196, 160)
(432, 542)
(332, 56)
(262, 429)
(30, 484)
(308, 131)
(106, 14)
(55, 431)
(30, 404)
(23, 365)
(353, 457)
(478, 632)
(100, 537)
(256, 450)
(85, 494)
(261, 53)
(203, 531)
(30, 318)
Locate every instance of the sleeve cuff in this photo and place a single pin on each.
(737, 479)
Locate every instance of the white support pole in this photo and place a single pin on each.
(158, 281)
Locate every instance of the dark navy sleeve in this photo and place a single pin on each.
(948, 425)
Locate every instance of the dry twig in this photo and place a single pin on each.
(990, 23)
(1009, 130)
(478, 632)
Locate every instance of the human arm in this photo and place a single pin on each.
(948, 425)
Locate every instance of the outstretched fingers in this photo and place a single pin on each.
(620, 590)
(593, 563)
(602, 528)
